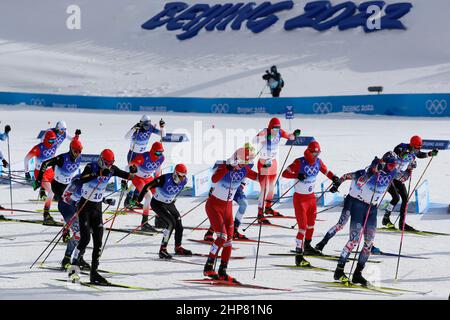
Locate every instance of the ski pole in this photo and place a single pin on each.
(260, 227)
(273, 203)
(9, 169)
(404, 218)
(65, 227)
(364, 225)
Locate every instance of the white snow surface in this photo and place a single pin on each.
(112, 55)
(348, 143)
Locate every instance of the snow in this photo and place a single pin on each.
(348, 143)
(112, 55)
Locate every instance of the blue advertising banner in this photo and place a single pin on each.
(409, 105)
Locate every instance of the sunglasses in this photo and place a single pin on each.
(158, 153)
(315, 154)
(51, 141)
(76, 151)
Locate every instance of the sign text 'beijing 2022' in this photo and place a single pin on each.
(320, 15)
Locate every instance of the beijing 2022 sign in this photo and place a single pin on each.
(319, 15)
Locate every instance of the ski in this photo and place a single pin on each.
(351, 286)
(86, 271)
(310, 267)
(418, 232)
(206, 255)
(111, 284)
(232, 284)
(55, 224)
(142, 233)
(85, 284)
(279, 217)
(273, 225)
(175, 260)
(238, 241)
(389, 254)
(196, 228)
(207, 242)
(323, 256)
(19, 210)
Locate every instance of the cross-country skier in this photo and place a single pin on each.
(269, 139)
(43, 152)
(3, 137)
(227, 179)
(241, 199)
(167, 188)
(65, 166)
(305, 169)
(366, 191)
(376, 165)
(60, 130)
(67, 205)
(148, 168)
(94, 180)
(140, 135)
(407, 154)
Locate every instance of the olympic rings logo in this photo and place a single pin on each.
(436, 106)
(322, 107)
(37, 102)
(384, 180)
(311, 171)
(237, 176)
(152, 165)
(124, 106)
(49, 152)
(144, 135)
(220, 108)
(72, 167)
(173, 189)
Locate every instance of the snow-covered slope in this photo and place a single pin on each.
(112, 55)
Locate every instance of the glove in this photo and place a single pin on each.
(5, 163)
(161, 123)
(27, 176)
(123, 185)
(7, 129)
(138, 125)
(133, 169)
(77, 132)
(230, 167)
(412, 165)
(297, 132)
(334, 188)
(109, 201)
(433, 153)
(301, 176)
(335, 180)
(105, 172)
(36, 185)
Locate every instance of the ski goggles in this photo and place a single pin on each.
(51, 141)
(159, 153)
(76, 152)
(315, 154)
(106, 164)
(180, 175)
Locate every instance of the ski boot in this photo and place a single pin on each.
(65, 263)
(73, 272)
(261, 218)
(238, 236)
(273, 213)
(209, 236)
(300, 261)
(83, 264)
(310, 251)
(375, 250)
(340, 276)
(127, 202)
(42, 194)
(180, 251)
(223, 276)
(358, 278)
(96, 278)
(163, 254)
(386, 218)
(407, 226)
(208, 270)
(145, 226)
(319, 246)
(48, 219)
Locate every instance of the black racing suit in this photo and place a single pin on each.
(167, 213)
(90, 218)
(397, 189)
